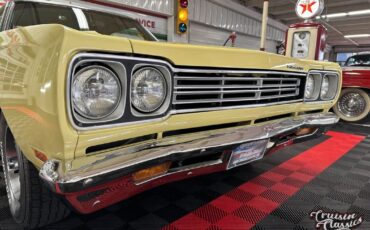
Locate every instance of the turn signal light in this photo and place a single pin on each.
(150, 173)
(40, 155)
(305, 131)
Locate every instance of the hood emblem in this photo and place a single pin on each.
(295, 67)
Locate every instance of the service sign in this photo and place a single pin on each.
(2, 2)
(308, 9)
(156, 25)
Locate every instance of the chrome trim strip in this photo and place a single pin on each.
(200, 78)
(236, 107)
(257, 97)
(8, 15)
(227, 87)
(63, 173)
(232, 91)
(175, 70)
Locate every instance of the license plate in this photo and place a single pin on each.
(247, 153)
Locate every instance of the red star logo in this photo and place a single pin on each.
(307, 7)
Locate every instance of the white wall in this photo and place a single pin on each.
(211, 22)
(232, 16)
(204, 34)
(164, 7)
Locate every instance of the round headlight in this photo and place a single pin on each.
(96, 92)
(325, 87)
(148, 89)
(310, 87)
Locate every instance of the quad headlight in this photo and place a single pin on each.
(324, 87)
(96, 92)
(329, 87)
(310, 87)
(148, 89)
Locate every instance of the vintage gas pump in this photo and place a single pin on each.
(307, 40)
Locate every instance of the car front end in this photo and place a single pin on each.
(102, 117)
(177, 117)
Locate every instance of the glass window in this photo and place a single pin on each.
(48, 14)
(27, 14)
(110, 24)
(342, 58)
(24, 15)
(359, 60)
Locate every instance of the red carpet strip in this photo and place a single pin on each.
(248, 204)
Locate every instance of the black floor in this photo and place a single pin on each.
(343, 187)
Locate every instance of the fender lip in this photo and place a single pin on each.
(102, 168)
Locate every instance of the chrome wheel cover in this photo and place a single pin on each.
(352, 104)
(11, 173)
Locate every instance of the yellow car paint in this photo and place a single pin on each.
(34, 68)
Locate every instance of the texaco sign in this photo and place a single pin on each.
(308, 9)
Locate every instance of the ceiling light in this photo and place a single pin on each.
(357, 36)
(336, 15)
(344, 14)
(359, 12)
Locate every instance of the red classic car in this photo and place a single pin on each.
(354, 102)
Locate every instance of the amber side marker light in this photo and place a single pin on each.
(150, 173)
(40, 155)
(305, 131)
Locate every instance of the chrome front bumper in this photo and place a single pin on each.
(90, 171)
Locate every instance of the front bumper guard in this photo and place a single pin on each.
(82, 173)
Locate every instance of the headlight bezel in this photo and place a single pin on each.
(123, 66)
(333, 86)
(333, 82)
(317, 86)
(164, 107)
(119, 71)
(119, 87)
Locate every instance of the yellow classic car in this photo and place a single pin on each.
(95, 110)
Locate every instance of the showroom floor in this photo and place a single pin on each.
(330, 174)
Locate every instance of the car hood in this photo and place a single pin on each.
(224, 57)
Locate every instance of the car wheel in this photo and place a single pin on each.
(32, 205)
(353, 105)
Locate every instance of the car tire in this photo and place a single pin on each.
(353, 105)
(32, 204)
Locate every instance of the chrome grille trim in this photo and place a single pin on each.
(196, 89)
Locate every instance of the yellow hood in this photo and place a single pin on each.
(223, 57)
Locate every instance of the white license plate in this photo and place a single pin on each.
(247, 153)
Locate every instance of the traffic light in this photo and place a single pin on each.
(182, 17)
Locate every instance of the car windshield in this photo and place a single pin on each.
(29, 13)
(359, 60)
